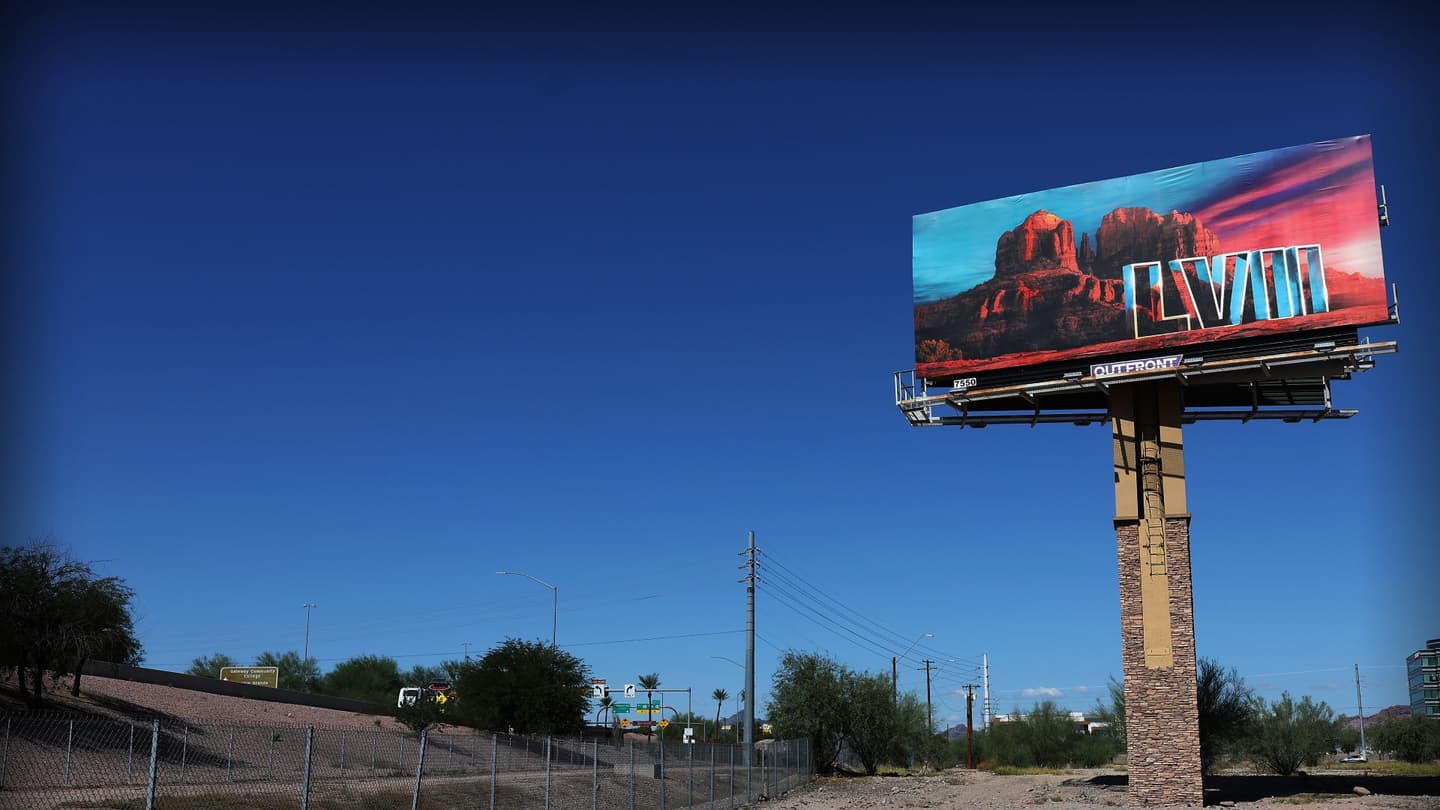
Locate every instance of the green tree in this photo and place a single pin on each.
(1347, 739)
(1225, 705)
(295, 675)
(1048, 735)
(531, 686)
(719, 696)
(872, 720)
(649, 682)
(421, 675)
(209, 666)
(1413, 739)
(103, 629)
(371, 678)
(56, 613)
(807, 699)
(912, 724)
(1113, 712)
(1286, 734)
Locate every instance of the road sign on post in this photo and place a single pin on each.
(629, 690)
(255, 676)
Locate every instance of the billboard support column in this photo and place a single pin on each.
(1157, 620)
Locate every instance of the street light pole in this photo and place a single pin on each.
(306, 655)
(554, 600)
(894, 664)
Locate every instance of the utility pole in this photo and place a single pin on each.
(929, 713)
(466, 645)
(985, 661)
(305, 656)
(969, 723)
(894, 675)
(749, 580)
(1361, 704)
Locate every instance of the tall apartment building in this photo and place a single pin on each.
(1423, 667)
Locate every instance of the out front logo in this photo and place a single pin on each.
(1225, 290)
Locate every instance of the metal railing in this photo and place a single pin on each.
(53, 762)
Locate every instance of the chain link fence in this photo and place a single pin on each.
(58, 762)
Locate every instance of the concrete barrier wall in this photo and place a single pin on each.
(215, 686)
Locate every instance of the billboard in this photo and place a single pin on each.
(1254, 246)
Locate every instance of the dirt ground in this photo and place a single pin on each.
(980, 790)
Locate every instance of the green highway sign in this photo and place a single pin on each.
(620, 708)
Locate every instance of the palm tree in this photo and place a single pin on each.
(720, 695)
(605, 703)
(649, 682)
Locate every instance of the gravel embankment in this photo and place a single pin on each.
(980, 790)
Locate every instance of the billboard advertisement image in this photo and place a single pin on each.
(1247, 247)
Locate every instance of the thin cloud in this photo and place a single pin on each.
(1043, 691)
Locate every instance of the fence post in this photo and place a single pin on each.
(712, 773)
(154, 757)
(129, 754)
(5, 756)
(69, 743)
(766, 774)
(419, 770)
(732, 776)
(595, 775)
(547, 772)
(374, 742)
(342, 756)
(661, 742)
(305, 780)
(632, 775)
(450, 760)
(690, 772)
(184, 750)
(270, 756)
(494, 754)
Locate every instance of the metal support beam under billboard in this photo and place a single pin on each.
(1290, 386)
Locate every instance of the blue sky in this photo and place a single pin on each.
(359, 310)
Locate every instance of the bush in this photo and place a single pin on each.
(1413, 739)
(1046, 738)
(1287, 734)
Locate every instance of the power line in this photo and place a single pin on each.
(653, 638)
(801, 586)
(896, 640)
(798, 602)
(816, 617)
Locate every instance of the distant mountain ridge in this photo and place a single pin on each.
(1388, 713)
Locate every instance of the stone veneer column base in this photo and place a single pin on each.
(1162, 721)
